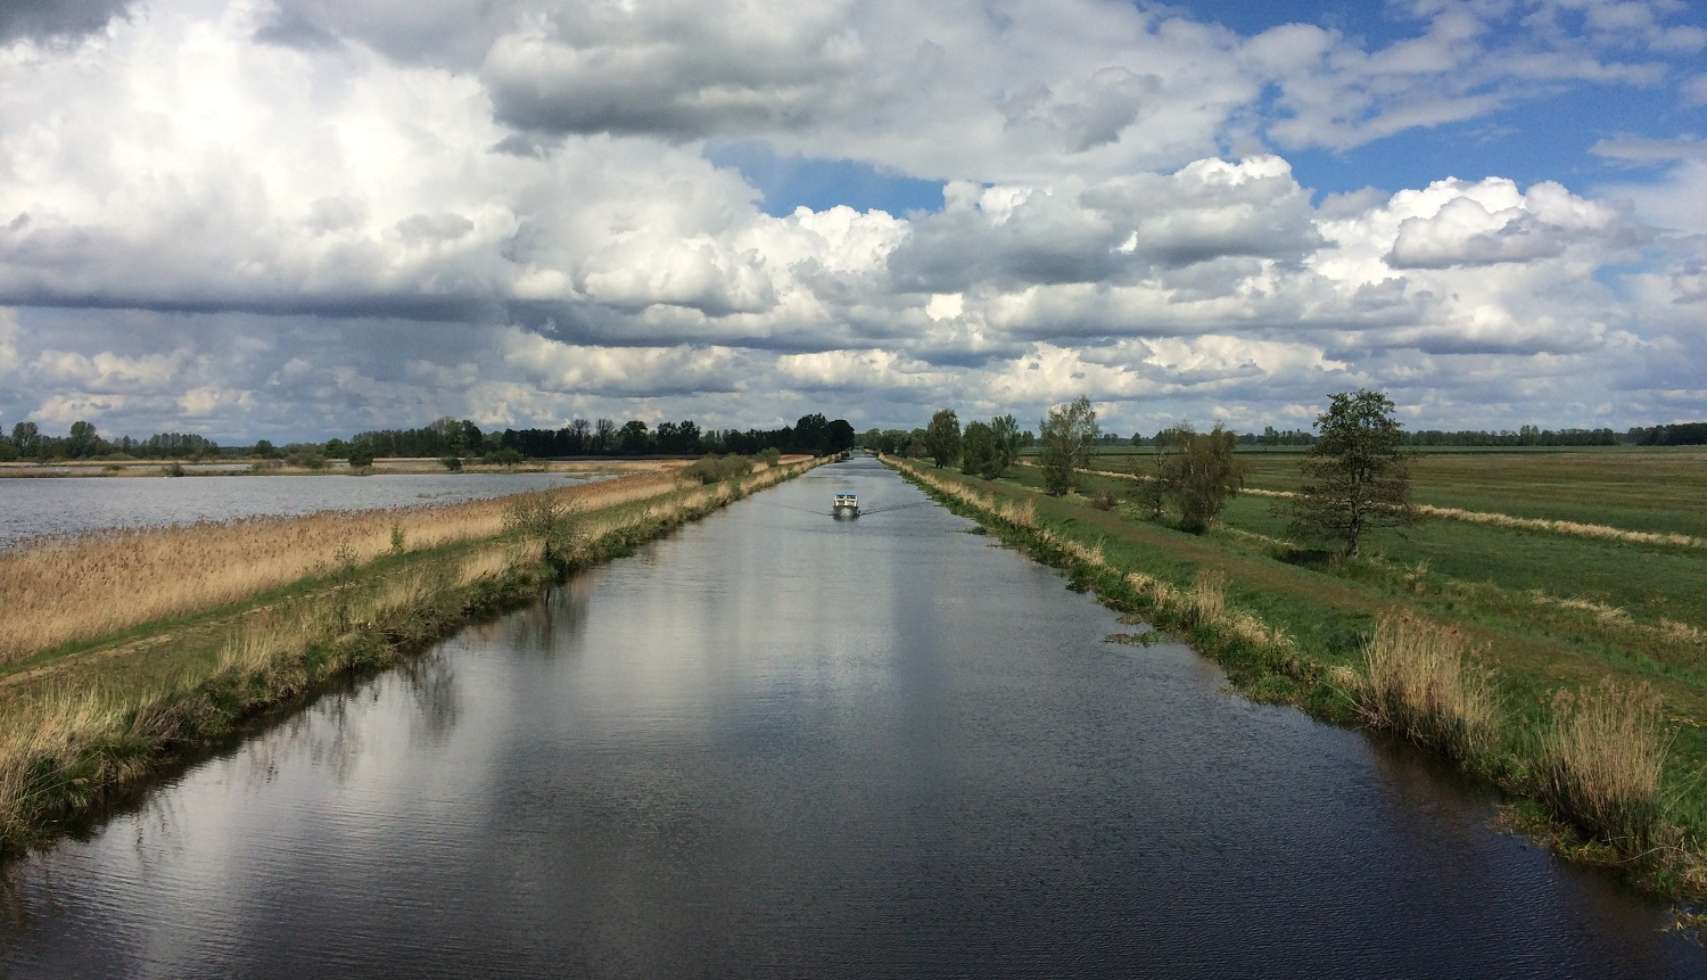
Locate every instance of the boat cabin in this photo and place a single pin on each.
(846, 504)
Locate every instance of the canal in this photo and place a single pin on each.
(780, 745)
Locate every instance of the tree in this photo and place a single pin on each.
(1067, 433)
(812, 433)
(978, 450)
(604, 435)
(1005, 430)
(26, 437)
(83, 441)
(264, 449)
(1156, 491)
(942, 437)
(1355, 476)
(1202, 475)
(841, 436)
(634, 437)
(360, 458)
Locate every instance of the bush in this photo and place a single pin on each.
(174, 469)
(714, 469)
(452, 463)
(306, 460)
(360, 459)
(1103, 500)
(502, 457)
(553, 522)
(771, 456)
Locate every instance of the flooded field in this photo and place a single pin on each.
(30, 508)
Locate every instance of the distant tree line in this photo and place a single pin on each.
(449, 438)
(83, 441)
(1527, 435)
(1680, 434)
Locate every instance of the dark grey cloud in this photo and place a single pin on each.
(294, 29)
(44, 19)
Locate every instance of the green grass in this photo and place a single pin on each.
(1546, 611)
(1638, 489)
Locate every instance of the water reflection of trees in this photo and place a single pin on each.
(431, 683)
(554, 622)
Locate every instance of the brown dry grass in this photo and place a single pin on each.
(1420, 683)
(69, 590)
(1601, 761)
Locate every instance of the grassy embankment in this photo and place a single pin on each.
(1488, 642)
(124, 652)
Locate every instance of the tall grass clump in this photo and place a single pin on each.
(1422, 685)
(1601, 758)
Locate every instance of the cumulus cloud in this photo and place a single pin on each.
(505, 210)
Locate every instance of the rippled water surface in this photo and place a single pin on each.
(781, 745)
(71, 505)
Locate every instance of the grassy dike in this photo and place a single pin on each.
(93, 734)
(1581, 769)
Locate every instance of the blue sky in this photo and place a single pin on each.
(298, 218)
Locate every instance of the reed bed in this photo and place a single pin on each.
(1601, 760)
(62, 591)
(1420, 683)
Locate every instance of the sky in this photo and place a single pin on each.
(293, 219)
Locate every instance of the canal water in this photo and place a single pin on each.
(780, 745)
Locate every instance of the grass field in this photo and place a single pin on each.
(1547, 611)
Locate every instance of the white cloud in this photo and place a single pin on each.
(505, 210)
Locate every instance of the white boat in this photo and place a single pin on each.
(846, 505)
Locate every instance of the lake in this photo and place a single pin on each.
(73, 505)
(775, 744)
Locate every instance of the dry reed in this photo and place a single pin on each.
(1421, 684)
(61, 591)
(1601, 759)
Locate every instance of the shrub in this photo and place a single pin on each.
(1601, 759)
(174, 468)
(1422, 686)
(1103, 500)
(714, 469)
(306, 460)
(502, 457)
(553, 522)
(360, 459)
(771, 456)
(452, 463)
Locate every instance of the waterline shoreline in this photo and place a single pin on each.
(71, 748)
(1265, 664)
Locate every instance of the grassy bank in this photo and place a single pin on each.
(89, 721)
(1590, 720)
